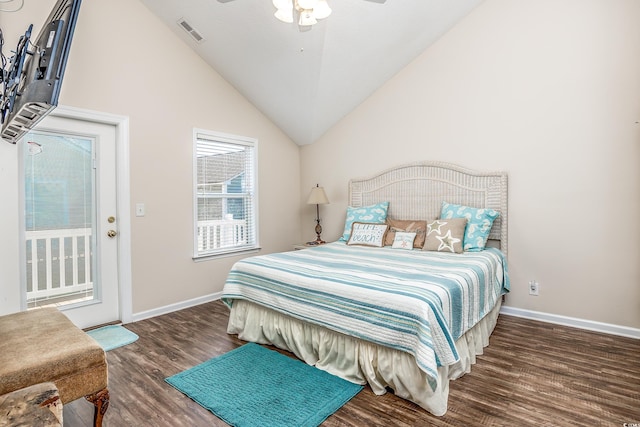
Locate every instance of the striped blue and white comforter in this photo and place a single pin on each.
(415, 301)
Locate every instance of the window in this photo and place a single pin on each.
(225, 196)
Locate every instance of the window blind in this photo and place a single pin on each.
(224, 194)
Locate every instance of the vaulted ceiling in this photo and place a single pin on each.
(305, 79)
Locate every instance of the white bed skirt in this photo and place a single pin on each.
(359, 361)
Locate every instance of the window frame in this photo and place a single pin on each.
(207, 135)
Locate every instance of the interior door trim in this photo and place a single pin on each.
(123, 213)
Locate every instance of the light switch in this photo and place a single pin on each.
(139, 209)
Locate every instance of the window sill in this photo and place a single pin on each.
(239, 252)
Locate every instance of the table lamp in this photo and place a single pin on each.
(317, 197)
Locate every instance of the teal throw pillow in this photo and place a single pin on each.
(479, 222)
(376, 214)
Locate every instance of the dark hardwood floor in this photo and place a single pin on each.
(532, 374)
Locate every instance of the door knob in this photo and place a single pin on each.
(112, 233)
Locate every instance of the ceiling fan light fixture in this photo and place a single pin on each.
(284, 10)
(307, 18)
(283, 4)
(307, 4)
(284, 15)
(308, 11)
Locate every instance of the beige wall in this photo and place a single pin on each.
(548, 91)
(124, 61)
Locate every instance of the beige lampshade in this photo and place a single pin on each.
(318, 196)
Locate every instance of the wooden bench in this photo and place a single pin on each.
(43, 345)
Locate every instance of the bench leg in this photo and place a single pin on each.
(101, 403)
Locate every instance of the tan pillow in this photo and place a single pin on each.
(445, 235)
(419, 227)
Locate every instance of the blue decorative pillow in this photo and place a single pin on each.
(479, 222)
(376, 214)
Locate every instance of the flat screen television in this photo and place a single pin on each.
(31, 84)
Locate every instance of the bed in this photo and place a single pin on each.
(401, 320)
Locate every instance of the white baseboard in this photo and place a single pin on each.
(175, 307)
(590, 325)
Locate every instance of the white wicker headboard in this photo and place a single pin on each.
(417, 190)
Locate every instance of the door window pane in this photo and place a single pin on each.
(59, 190)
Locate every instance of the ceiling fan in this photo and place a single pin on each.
(307, 12)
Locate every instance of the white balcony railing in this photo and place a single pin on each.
(221, 233)
(59, 261)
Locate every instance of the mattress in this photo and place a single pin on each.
(417, 303)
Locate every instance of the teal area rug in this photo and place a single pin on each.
(253, 386)
(113, 336)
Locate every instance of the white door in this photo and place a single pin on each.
(70, 219)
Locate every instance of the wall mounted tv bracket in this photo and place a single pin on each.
(12, 76)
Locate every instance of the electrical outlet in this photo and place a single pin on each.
(534, 287)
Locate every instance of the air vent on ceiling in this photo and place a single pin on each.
(195, 35)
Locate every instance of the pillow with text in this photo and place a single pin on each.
(367, 234)
(403, 240)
